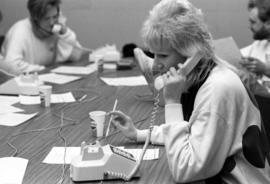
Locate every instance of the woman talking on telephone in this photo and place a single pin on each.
(40, 40)
(213, 130)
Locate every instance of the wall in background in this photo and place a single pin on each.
(100, 22)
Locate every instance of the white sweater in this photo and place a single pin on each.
(22, 48)
(223, 113)
(258, 49)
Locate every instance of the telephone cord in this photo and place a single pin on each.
(147, 141)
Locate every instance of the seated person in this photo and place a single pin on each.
(3, 66)
(257, 55)
(40, 40)
(212, 126)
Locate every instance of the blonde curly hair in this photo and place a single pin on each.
(181, 25)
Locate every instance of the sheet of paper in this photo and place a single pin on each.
(14, 119)
(150, 154)
(9, 109)
(56, 155)
(227, 49)
(55, 98)
(8, 100)
(29, 100)
(57, 78)
(12, 170)
(80, 70)
(125, 81)
(62, 98)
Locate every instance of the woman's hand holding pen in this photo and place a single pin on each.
(124, 124)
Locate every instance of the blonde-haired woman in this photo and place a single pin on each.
(212, 126)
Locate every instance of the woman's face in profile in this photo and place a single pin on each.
(50, 18)
(166, 57)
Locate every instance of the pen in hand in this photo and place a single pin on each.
(109, 124)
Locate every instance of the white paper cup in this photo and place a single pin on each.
(45, 92)
(99, 118)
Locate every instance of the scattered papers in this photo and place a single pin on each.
(29, 100)
(9, 109)
(8, 113)
(57, 78)
(14, 119)
(55, 98)
(56, 155)
(125, 81)
(62, 98)
(150, 154)
(79, 70)
(8, 100)
(12, 170)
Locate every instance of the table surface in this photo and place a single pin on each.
(35, 145)
(35, 138)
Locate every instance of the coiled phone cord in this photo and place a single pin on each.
(152, 121)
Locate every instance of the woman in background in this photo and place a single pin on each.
(40, 40)
(3, 65)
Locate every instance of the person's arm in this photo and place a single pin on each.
(196, 150)
(254, 65)
(13, 53)
(68, 47)
(157, 136)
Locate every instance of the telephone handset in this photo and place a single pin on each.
(58, 26)
(187, 67)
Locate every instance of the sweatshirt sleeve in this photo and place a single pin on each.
(174, 113)
(195, 152)
(13, 51)
(66, 44)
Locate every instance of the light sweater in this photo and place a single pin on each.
(223, 120)
(258, 49)
(22, 48)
